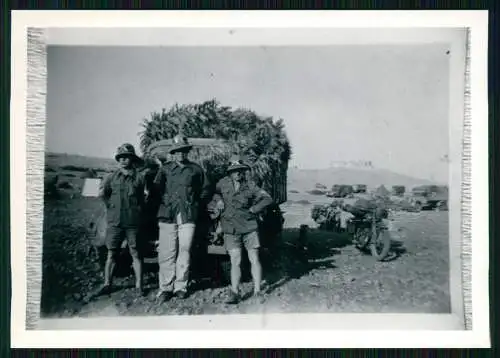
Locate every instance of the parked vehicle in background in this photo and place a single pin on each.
(398, 190)
(340, 191)
(359, 188)
(430, 197)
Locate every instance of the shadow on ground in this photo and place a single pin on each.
(397, 249)
(295, 259)
(288, 259)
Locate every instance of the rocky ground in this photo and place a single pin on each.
(336, 278)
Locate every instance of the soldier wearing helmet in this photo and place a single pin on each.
(239, 207)
(123, 194)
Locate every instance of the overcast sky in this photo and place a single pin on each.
(387, 104)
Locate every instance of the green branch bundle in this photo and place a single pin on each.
(260, 141)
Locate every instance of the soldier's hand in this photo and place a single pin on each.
(158, 161)
(219, 205)
(219, 208)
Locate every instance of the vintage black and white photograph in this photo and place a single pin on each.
(252, 178)
(340, 152)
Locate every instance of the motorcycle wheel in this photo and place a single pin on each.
(362, 238)
(380, 244)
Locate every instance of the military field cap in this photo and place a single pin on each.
(237, 164)
(181, 144)
(126, 150)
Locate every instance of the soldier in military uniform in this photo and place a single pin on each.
(123, 195)
(184, 190)
(241, 203)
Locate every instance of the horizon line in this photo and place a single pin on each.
(373, 167)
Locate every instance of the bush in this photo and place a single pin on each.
(50, 170)
(303, 202)
(294, 191)
(320, 186)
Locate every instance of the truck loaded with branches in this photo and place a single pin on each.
(217, 133)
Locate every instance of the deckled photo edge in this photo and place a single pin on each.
(466, 252)
(37, 77)
(35, 142)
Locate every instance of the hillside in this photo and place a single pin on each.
(298, 179)
(58, 160)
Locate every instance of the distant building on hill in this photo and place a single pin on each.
(363, 164)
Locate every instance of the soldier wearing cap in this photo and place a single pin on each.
(123, 194)
(241, 203)
(184, 191)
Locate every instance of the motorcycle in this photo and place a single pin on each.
(370, 231)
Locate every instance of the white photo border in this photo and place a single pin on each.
(468, 169)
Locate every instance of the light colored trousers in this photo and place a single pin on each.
(174, 256)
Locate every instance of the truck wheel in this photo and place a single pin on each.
(124, 264)
(101, 256)
(225, 271)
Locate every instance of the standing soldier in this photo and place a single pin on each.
(123, 195)
(183, 188)
(239, 207)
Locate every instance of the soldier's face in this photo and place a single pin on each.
(125, 162)
(181, 156)
(237, 175)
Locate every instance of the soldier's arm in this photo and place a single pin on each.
(143, 190)
(217, 197)
(159, 181)
(218, 188)
(206, 192)
(105, 188)
(146, 186)
(261, 200)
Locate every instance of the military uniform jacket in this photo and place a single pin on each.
(237, 218)
(123, 194)
(183, 190)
